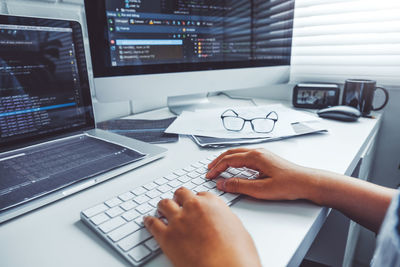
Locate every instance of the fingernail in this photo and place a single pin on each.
(145, 219)
(208, 175)
(221, 184)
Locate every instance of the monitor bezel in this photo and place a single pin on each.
(24, 140)
(99, 47)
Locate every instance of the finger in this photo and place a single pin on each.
(205, 194)
(228, 152)
(254, 188)
(168, 208)
(156, 227)
(236, 161)
(182, 195)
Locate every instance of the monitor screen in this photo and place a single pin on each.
(44, 89)
(131, 37)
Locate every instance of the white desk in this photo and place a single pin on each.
(282, 231)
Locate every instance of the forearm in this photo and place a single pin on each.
(363, 202)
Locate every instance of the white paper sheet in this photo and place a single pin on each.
(207, 122)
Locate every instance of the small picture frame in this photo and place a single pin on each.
(315, 96)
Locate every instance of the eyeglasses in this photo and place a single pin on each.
(233, 122)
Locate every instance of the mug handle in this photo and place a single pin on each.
(386, 98)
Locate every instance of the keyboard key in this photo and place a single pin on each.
(216, 192)
(171, 176)
(95, 210)
(145, 208)
(153, 193)
(113, 202)
(228, 197)
(152, 244)
(139, 253)
(189, 169)
(247, 174)
(111, 224)
(139, 191)
(203, 176)
(210, 184)
(123, 231)
(205, 161)
(130, 215)
(134, 239)
(203, 170)
(184, 179)
(126, 196)
(164, 188)
(180, 172)
(193, 174)
(154, 202)
(168, 195)
(99, 218)
(197, 165)
(198, 181)
(233, 171)
(189, 185)
(128, 205)
(225, 175)
(153, 213)
(114, 212)
(141, 199)
(139, 221)
(161, 181)
(212, 157)
(150, 186)
(175, 183)
(200, 188)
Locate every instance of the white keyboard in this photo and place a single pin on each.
(119, 221)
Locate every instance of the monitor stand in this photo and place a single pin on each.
(177, 104)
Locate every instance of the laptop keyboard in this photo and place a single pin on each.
(119, 220)
(41, 170)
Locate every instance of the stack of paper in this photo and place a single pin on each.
(207, 130)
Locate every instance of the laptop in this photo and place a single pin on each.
(49, 146)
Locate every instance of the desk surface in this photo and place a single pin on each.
(282, 231)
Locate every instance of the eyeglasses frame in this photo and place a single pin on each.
(248, 120)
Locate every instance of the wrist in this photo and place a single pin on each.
(310, 184)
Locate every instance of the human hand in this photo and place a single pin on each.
(201, 231)
(278, 179)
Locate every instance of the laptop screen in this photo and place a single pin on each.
(44, 87)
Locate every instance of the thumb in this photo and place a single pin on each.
(252, 188)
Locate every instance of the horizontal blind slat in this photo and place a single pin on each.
(354, 28)
(388, 60)
(348, 18)
(382, 80)
(347, 49)
(348, 70)
(347, 39)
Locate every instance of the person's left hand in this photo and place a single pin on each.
(201, 231)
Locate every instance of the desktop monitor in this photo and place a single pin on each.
(165, 48)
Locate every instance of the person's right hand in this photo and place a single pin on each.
(278, 179)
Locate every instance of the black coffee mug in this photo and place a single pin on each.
(360, 94)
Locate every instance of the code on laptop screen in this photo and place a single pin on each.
(40, 80)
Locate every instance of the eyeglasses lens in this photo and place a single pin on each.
(263, 125)
(233, 123)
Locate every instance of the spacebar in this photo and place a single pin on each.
(134, 239)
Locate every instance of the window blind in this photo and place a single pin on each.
(263, 31)
(341, 39)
